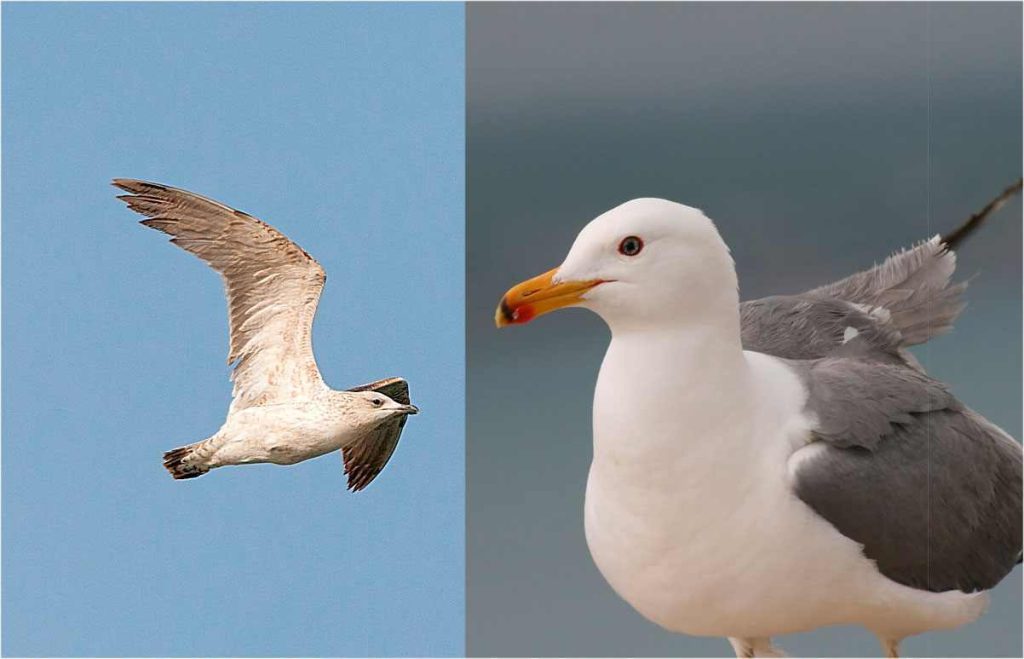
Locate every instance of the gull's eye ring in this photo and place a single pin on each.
(377, 402)
(631, 246)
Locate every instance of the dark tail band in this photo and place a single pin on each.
(177, 463)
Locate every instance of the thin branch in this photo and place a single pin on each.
(958, 235)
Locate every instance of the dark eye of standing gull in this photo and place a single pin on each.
(631, 246)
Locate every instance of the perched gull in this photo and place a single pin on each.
(782, 464)
(281, 411)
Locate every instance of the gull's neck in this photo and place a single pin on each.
(703, 342)
(693, 366)
(673, 387)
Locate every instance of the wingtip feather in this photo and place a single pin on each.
(129, 184)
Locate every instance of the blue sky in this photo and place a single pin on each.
(343, 126)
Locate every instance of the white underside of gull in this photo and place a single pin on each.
(285, 433)
(689, 511)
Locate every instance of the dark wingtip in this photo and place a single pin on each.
(358, 480)
(138, 186)
(127, 184)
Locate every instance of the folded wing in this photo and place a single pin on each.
(272, 287)
(929, 488)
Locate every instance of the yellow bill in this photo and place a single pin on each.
(537, 296)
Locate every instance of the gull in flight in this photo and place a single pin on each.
(782, 464)
(281, 411)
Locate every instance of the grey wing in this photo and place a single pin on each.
(929, 488)
(809, 327)
(272, 285)
(913, 288)
(906, 300)
(363, 461)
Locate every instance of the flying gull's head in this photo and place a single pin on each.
(646, 262)
(376, 406)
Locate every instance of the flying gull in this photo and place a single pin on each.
(782, 464)
(281, 411)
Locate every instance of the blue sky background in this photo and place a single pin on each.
(343, 126)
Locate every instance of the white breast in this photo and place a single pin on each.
(688, 512)
(284, 433)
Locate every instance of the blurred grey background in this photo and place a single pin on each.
(819, 137)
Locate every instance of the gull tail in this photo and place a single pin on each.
(186, 461)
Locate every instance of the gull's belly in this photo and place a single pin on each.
(286, 434)
(710, 560)
(290, 446)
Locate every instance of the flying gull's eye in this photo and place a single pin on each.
(377, 402)
(631, 246)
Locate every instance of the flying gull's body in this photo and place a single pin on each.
(782, 464)
(282, 412)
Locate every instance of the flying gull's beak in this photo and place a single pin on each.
(409, 409)
(537, 296)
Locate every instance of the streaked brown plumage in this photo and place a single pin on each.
(273, 287)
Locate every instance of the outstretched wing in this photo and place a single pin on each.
(366, 459)
(929, 488)
(272, 286)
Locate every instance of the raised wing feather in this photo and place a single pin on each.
(906, 300)
(913, 288)
(272, 287)
(366, 459)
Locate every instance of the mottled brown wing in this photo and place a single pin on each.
(366, 459)
(272, 286)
